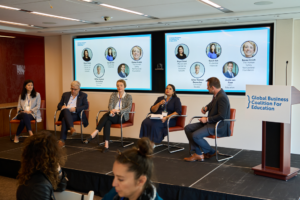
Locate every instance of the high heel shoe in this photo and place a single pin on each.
(88, 140)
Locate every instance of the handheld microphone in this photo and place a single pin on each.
(165, 97)
(203, 108)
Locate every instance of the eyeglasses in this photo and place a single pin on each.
(120, 153)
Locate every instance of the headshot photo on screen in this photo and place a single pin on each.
(230, 69)
(182, 51)
(99, 70)
(123, 70)
(213, 50)
(249, 49)
(136, 53)
(110, 54)
(87, 54)
(197, 70)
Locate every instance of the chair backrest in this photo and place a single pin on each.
(87, 113)
(232, 116)
(131, 115)
(43, 111)
(68, 195)
(181, 120)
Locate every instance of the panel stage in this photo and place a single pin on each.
(89, 169)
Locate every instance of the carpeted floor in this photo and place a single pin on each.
(8, 189)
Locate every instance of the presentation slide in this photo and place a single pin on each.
(101, 61)
(237, 57)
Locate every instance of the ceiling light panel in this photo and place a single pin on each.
(46, 15)
(117, 8)
(216, 6)
(19, 24)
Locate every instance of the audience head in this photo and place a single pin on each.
(136, 52)
(28, 88)
(180, 50)
(75, 88)
(249, 48)
(121, 85)
(133, 169)
(41, 153)
(213, 85)
(170, 90)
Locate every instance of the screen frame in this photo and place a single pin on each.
(271, 48)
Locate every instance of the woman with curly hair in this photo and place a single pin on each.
(40, 172)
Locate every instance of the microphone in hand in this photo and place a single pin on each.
(165, 98)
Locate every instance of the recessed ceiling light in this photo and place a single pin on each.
(262, 3)
(211, 3)
(14, 23)
(10, 8)
(122, 9)
(5, 36)
(55, 16)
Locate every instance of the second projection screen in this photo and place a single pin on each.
(235, 56)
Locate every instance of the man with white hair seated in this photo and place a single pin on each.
(71, 105)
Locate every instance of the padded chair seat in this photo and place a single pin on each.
(125, 124)
(175, 128)
(16, 121)
(58, 123)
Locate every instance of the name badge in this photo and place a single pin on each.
(164, 113)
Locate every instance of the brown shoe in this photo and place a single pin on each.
(208, 155)
(195, 157)
(73, 131)
(61, 144)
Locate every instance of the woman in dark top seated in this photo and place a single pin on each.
(180, 53)
(155, 129)
(40, 173)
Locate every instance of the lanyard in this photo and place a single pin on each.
(166, 103)
(28, 100)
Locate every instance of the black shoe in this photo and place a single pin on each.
(104, 149)
(88, 140)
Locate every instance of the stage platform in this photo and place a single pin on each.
(89, 169)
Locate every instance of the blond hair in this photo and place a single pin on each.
(252, 43)
(76, 83)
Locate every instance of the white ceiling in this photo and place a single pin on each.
(175, 13)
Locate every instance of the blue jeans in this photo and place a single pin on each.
(195, 134)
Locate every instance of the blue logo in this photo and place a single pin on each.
(248, 101)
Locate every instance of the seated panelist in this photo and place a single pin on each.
(119, 103)
(218, 109)
(169, 104)
(71, 105)
(28, 108)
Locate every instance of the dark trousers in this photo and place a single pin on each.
(67, 122)
(24, 121)
(195, 134)
(106, 121)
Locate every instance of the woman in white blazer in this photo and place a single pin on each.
(28, 108)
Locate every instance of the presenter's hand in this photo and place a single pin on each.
(203, 120)
(63, 107)
(203, 112)
(162, 102)
(164, 119)
(115, 110)
(112, 114)
(72, 109)
(28, 112)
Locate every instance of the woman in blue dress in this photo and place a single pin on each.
(212, 51)
(155, 129)
(110, 56)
